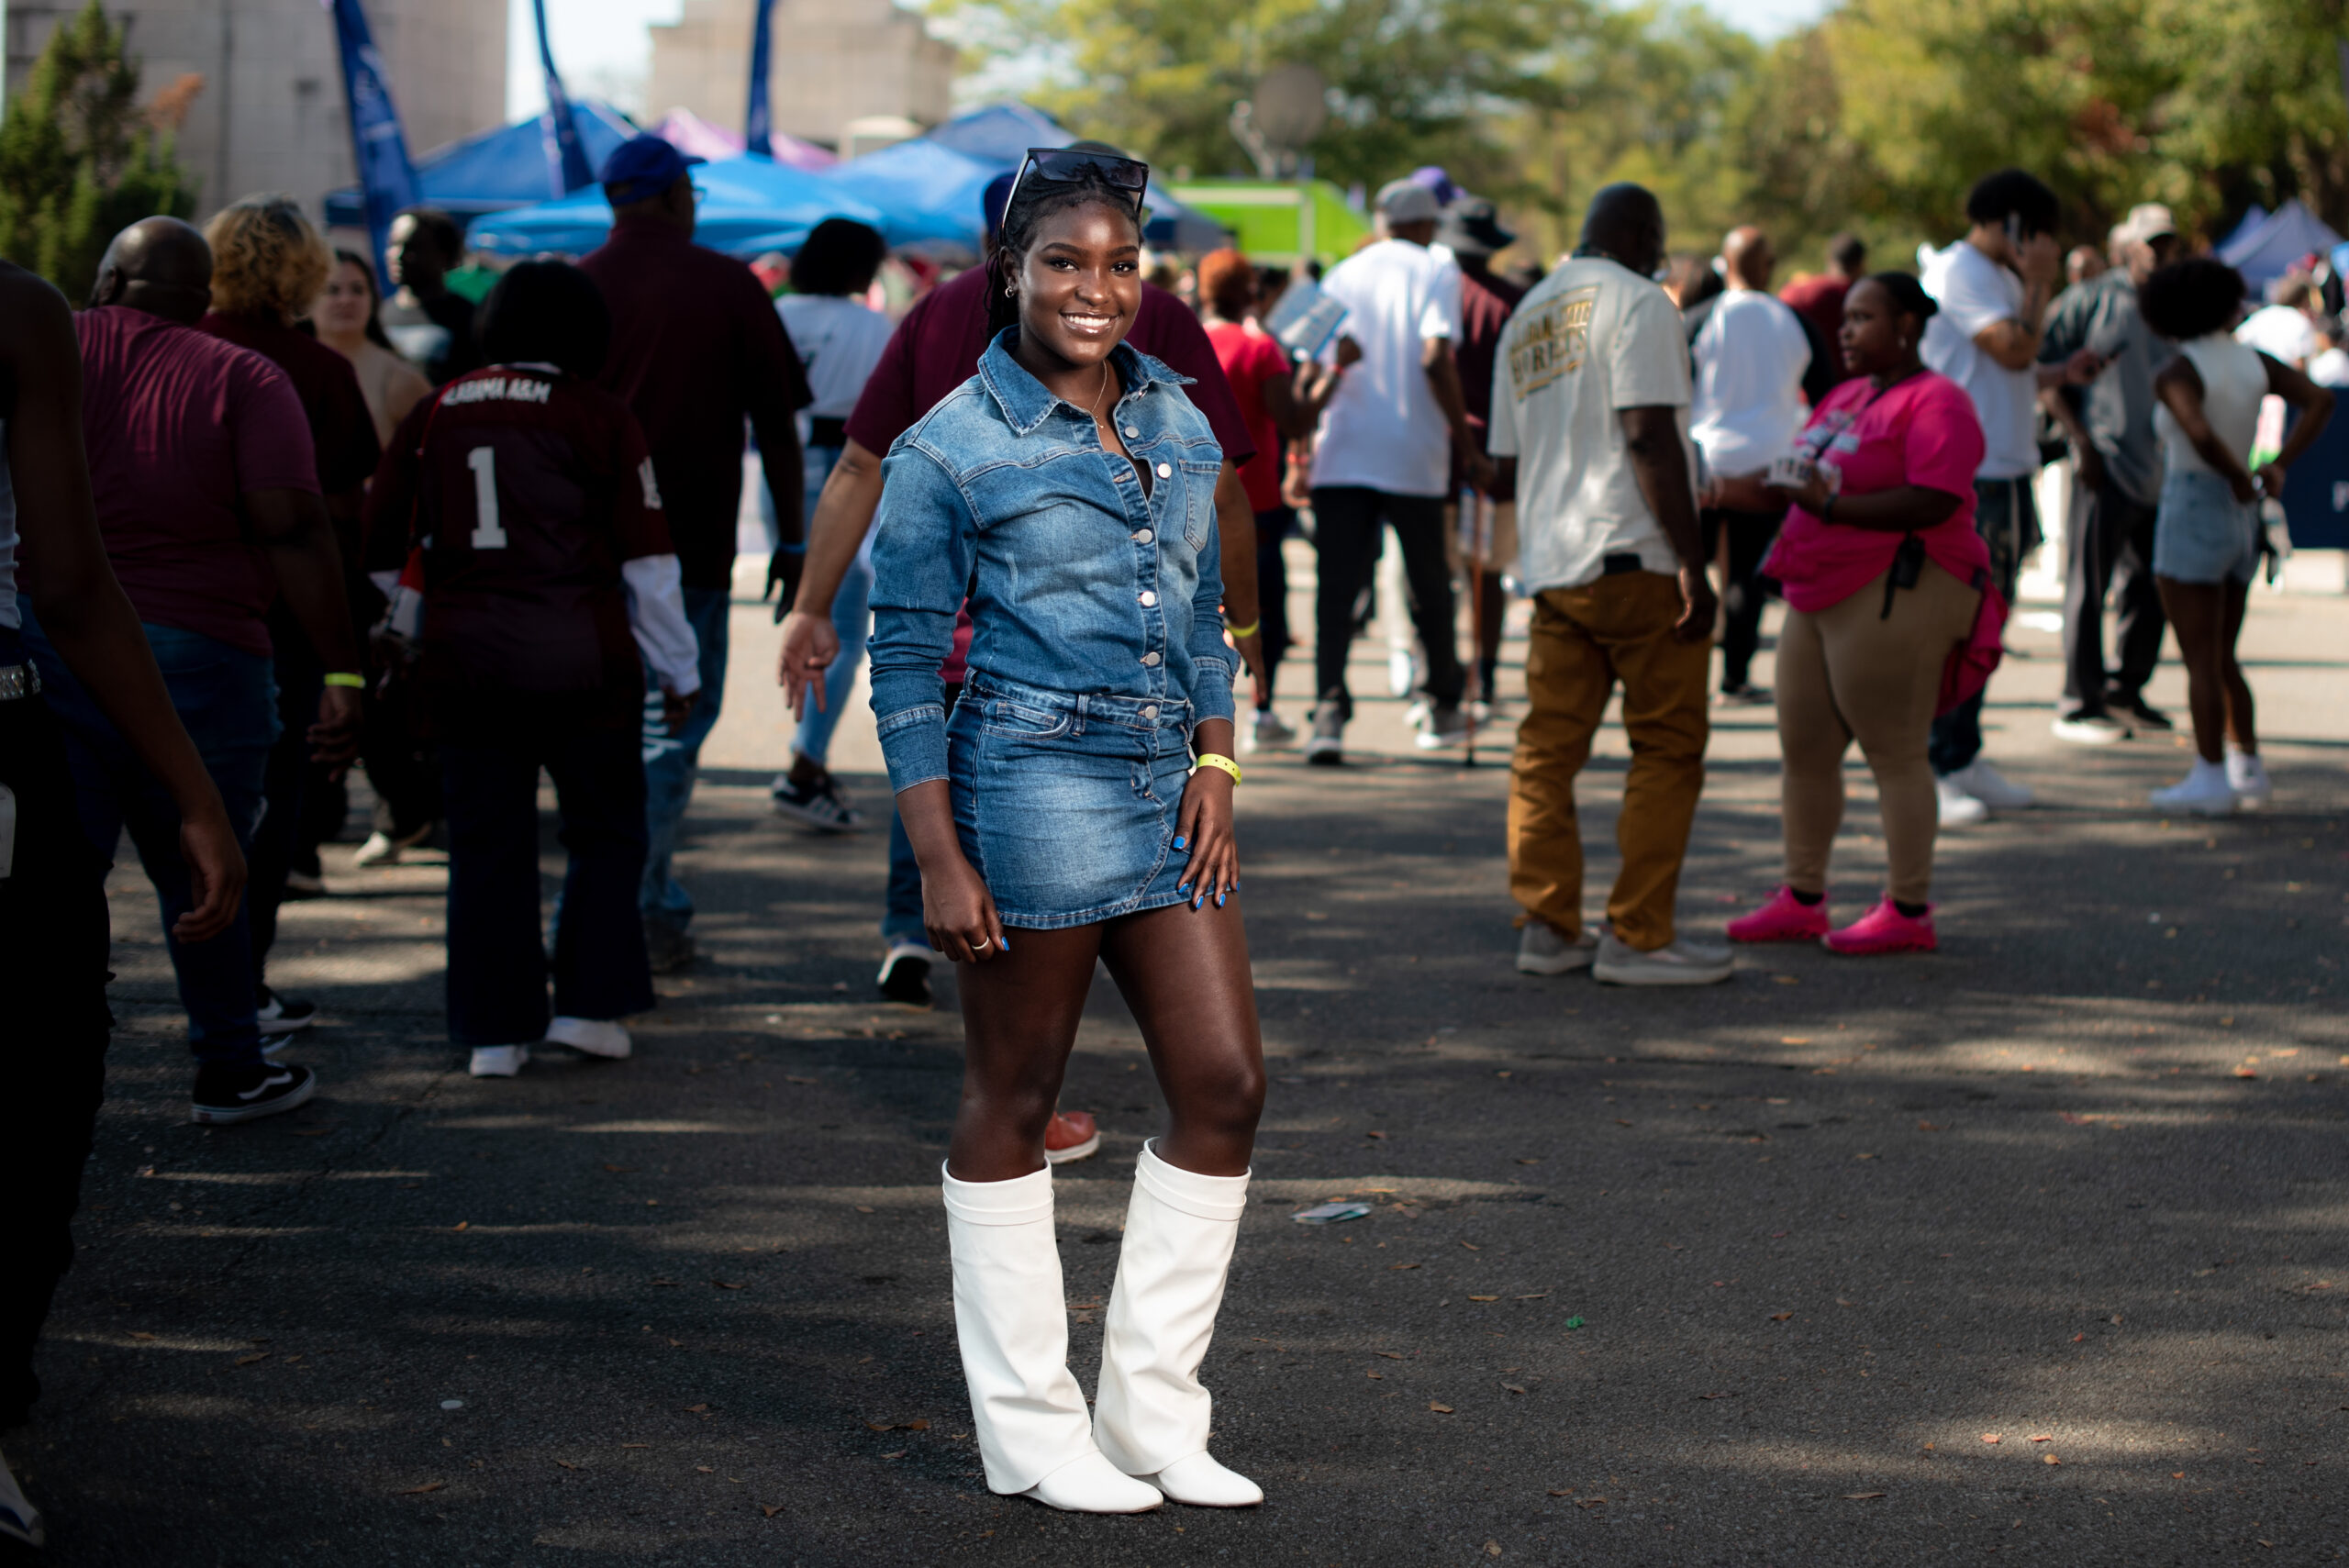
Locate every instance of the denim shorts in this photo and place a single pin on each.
(2202, 534)
(1066, 802)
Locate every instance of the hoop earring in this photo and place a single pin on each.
(1009, 290)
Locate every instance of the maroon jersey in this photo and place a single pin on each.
(523, 490)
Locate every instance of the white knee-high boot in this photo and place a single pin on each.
(1151, 1416)
(1011, 1321)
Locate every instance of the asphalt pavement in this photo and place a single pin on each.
(2032, 1248)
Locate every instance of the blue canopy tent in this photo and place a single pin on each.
(929, 194)
(749, 205)
(1001, 134)
(2265, 250)
(496, 172)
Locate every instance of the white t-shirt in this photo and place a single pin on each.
(1382, 429)
(839, 341)
(1592, 338)
(2330, 368)
(2282, 332)
(1976, 295)
(1748, 408)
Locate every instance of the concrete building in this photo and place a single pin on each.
(834, 61)
(269, 114)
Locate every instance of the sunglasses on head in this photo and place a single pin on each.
(1066, 166)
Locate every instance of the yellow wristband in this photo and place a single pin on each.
(345, 678)
(1218, 760)
(1251, 629)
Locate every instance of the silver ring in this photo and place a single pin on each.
(981, 943)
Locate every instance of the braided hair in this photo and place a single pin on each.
(1035, 201)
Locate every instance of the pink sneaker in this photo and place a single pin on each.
(1785, 918)
(1885, 929)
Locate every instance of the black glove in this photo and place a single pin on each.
(784, 568)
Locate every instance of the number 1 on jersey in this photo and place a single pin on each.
(488, 535)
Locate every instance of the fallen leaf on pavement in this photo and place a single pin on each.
(1537, 1295)
(1590, 1502)
(1376, 1376)
(1402, 1266)
(140, 1334)
(1794, 1040)
(1716, 1395)
(1989, 1436)
(862, 1209)
(566, 1465)
(2049, 1459)
(900, 1454)
(1439, 1409)
(419, 1491)
(1471, 1246)
(1555, 1493)
(697, 1409)
(1780, 1317)
(1860, 1496)
(257, 1356)
(620, 1170)
(1484, 1298)
(1390, 1355)
(1493, 1548)
(1927, 1127)
(726, 1284)
(899, 1426)
(770, 1512)
(1620, 1122)
(1373, 1135)
(704, 1469)
(2043, 1438)
(461, 1225)
(1513, 1388)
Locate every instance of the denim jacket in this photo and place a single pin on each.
(1077, 582)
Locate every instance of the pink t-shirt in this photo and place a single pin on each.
(179, 426)
(1922, 432)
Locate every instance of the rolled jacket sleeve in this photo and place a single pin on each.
(1210, 659)
(924, 541)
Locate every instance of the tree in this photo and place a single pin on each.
(79, 160)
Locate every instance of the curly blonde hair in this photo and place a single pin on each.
(266, 258)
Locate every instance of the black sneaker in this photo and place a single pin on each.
(2137, 710)
(670, 951)
(1327, 745)
(905, 975)
(820, 806)
(225, 1096)
(284, 1015)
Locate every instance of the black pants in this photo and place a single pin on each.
(1346, 523)
(1272, 525)
(2111, 548)
(1751, 534)
(53, 938)
(497, 960)
(284, 788)
(401, 767)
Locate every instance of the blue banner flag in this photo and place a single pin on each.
(377, 141)
(758, 124)
(567, 168)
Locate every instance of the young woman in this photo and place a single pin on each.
(1882, 575)
(1081, 797)
(537, 565)
(839, 341)
(2206, 535)
(348, 320)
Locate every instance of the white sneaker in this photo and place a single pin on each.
(1543, 950)
(1682, 962)
(382, 850)
(595, 1037)
(2247, 776)
(2089, 728)
(2204, 792)
(19, 1520)
(1991, 787)
(1958, 808)
(499, 1061)
(1402, 673)
(1270, 732)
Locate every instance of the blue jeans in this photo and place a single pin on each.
(901, 915)
(498, 963)
(669, 761)
(226, 697)
(851, 617)
(2008, 519)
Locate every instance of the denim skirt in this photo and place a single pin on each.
(2201, 533)
(1065, 801)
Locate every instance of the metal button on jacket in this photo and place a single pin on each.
(1131, 431)
(1150, 710)
(1150, 657)
(1148, 599)
(1166, 471)
(1144, 537)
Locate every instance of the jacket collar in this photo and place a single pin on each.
(1025, 403)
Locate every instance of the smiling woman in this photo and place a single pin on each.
(1082, 796)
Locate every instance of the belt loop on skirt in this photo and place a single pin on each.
(1084, 705)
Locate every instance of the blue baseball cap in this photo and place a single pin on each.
(642, 168)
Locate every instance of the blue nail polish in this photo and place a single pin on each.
(1218, 900)
(1179, 842)
(1182, 887)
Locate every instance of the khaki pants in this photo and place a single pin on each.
(1852, 673)
(1584, 640)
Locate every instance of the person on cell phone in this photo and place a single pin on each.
(1993, 288)
(516, 525)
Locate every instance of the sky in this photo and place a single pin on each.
(602, 51)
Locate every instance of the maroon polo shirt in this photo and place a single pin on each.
(937, 346)
(342, 432)
(697, 348)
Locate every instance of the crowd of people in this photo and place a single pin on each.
(264, 522)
